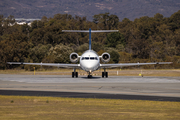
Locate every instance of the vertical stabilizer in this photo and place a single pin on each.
(89, 38)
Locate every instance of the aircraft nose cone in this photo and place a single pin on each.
(89, 65)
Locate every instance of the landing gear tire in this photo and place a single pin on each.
(104, 74)
(74, 74)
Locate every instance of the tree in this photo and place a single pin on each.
(157, 50)
(174, 21)
(14, 48)
(113, 39)
(60, 53)
(106, 21)
(114, 55)
(158, 17)
(1, 24)
(39, 52)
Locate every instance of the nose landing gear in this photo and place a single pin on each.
(90, 74)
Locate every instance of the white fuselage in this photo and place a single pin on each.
(89, 61)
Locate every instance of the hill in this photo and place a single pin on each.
(122, 8)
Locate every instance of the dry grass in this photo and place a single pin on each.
(112, 72)
(24, 107)
(147, 72)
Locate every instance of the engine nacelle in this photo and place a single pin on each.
(105, 57)
(74, 57)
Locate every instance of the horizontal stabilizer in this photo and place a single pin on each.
(90, 31)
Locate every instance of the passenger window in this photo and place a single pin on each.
(96, 58)
(82, 58)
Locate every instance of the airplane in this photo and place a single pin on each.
(89, 61)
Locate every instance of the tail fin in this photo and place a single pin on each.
(89, 38)
(90, 31)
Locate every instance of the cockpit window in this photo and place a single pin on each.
(86, 58)
(91, 58)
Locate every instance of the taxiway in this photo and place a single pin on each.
(150, 88)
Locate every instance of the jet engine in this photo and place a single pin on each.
(105, 57)
(74, 57)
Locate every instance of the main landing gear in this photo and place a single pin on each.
(104, 74)
(74, 74)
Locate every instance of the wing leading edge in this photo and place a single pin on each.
(48, 64)
(130, 64)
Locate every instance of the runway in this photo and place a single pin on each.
(114, 87)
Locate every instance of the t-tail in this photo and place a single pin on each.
(90, 31)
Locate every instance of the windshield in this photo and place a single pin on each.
(89, 58)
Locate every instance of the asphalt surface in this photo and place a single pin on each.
(114, 87)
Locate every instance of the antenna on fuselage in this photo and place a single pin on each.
(90, 31)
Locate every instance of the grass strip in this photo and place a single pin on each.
(31, 107)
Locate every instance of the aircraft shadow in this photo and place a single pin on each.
(91, 78)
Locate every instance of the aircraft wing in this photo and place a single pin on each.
(49, 64)
(130, 64)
